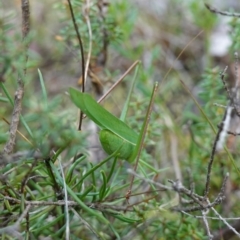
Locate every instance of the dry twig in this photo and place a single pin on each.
(20, 90)
(215, 10)
(218, 137)
(86, 15)
(82, 56)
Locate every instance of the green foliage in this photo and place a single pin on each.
(198, 11)
(235, 35)
(105, 29)
(211, 91)
(53, 162)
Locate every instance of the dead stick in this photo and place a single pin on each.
(20, 90)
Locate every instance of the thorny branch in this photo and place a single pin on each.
(20, 90)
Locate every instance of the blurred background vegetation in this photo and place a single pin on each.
(179, 140)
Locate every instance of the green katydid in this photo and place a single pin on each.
(115, 135)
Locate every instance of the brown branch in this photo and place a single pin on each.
(229, 132)
(119, 80)
(82, 56)
(97, 206)
(202, 202)
(102, 5)
(209, 169)
(215, 10)
(225, 84)
(236, 87)
(20, 90)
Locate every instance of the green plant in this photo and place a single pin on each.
(58, 182)
(115, 135)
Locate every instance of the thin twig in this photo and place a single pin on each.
(143, 132)
(219, 198)
(202, 202)
(209, 168)
(102, 6)
(66, 200)
(97, 206)
(204, 213)
(178, 187)
(119, 80)
(212, 218)
(236, 88)
(225, 222)
(227, 233)
(25, 138)
(224, 83)
(232, 95)
(163, 187)
(8, 148)
(27, 175)
(23, 215)
(82, 56)
(180, 54)
(236, 74)
(216, 142)
(219, 105)
(86, 15)
(233, 133)
(215, 10)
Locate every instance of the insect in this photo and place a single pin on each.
(115, 135)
